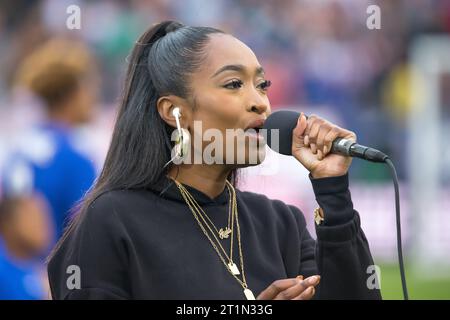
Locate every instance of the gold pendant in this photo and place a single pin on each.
(233, 268)
(224, 234)
(249, 294)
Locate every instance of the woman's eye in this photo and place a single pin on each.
(265, 85)
(234, 84)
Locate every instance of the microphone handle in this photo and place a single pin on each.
(349, 148)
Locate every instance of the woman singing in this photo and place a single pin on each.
(155, 226)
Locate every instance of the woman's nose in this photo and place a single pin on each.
(258, 109)
(258, 104)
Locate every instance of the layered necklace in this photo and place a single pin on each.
(214, 235)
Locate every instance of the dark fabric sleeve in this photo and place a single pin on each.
(341, 252)
(333, 196)
(99, 248)
(308, 264)
(343, 257)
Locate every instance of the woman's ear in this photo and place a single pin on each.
(166, 106)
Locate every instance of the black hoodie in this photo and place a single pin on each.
(136, 244)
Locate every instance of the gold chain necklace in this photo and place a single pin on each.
(197, 213)
(223, 233)
(191, 200)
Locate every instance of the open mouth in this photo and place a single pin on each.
(256, 125)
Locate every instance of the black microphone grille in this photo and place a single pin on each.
(284, 121)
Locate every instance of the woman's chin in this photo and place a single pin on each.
(253, 157)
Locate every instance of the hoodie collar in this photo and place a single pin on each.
(167, 189)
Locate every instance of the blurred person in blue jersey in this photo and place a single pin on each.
(25, 234)
(61, 74)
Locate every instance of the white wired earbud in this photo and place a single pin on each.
(182, 140)
(177, 114)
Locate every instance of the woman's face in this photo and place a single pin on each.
(229, 91)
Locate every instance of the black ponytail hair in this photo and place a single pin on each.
(159, 64)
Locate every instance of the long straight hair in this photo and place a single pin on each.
(160, 64)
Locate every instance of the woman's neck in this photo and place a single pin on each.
(209, 179)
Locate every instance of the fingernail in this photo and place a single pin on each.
(313, 291)
(300, 277)
(325, 148)
(306, 140)
(314, 280)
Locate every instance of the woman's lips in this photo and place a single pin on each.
(255, 124)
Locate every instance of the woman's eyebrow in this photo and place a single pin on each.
(238, 68)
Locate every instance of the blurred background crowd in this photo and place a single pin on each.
(59, 90)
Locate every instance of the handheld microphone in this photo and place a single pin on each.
(285, 121)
